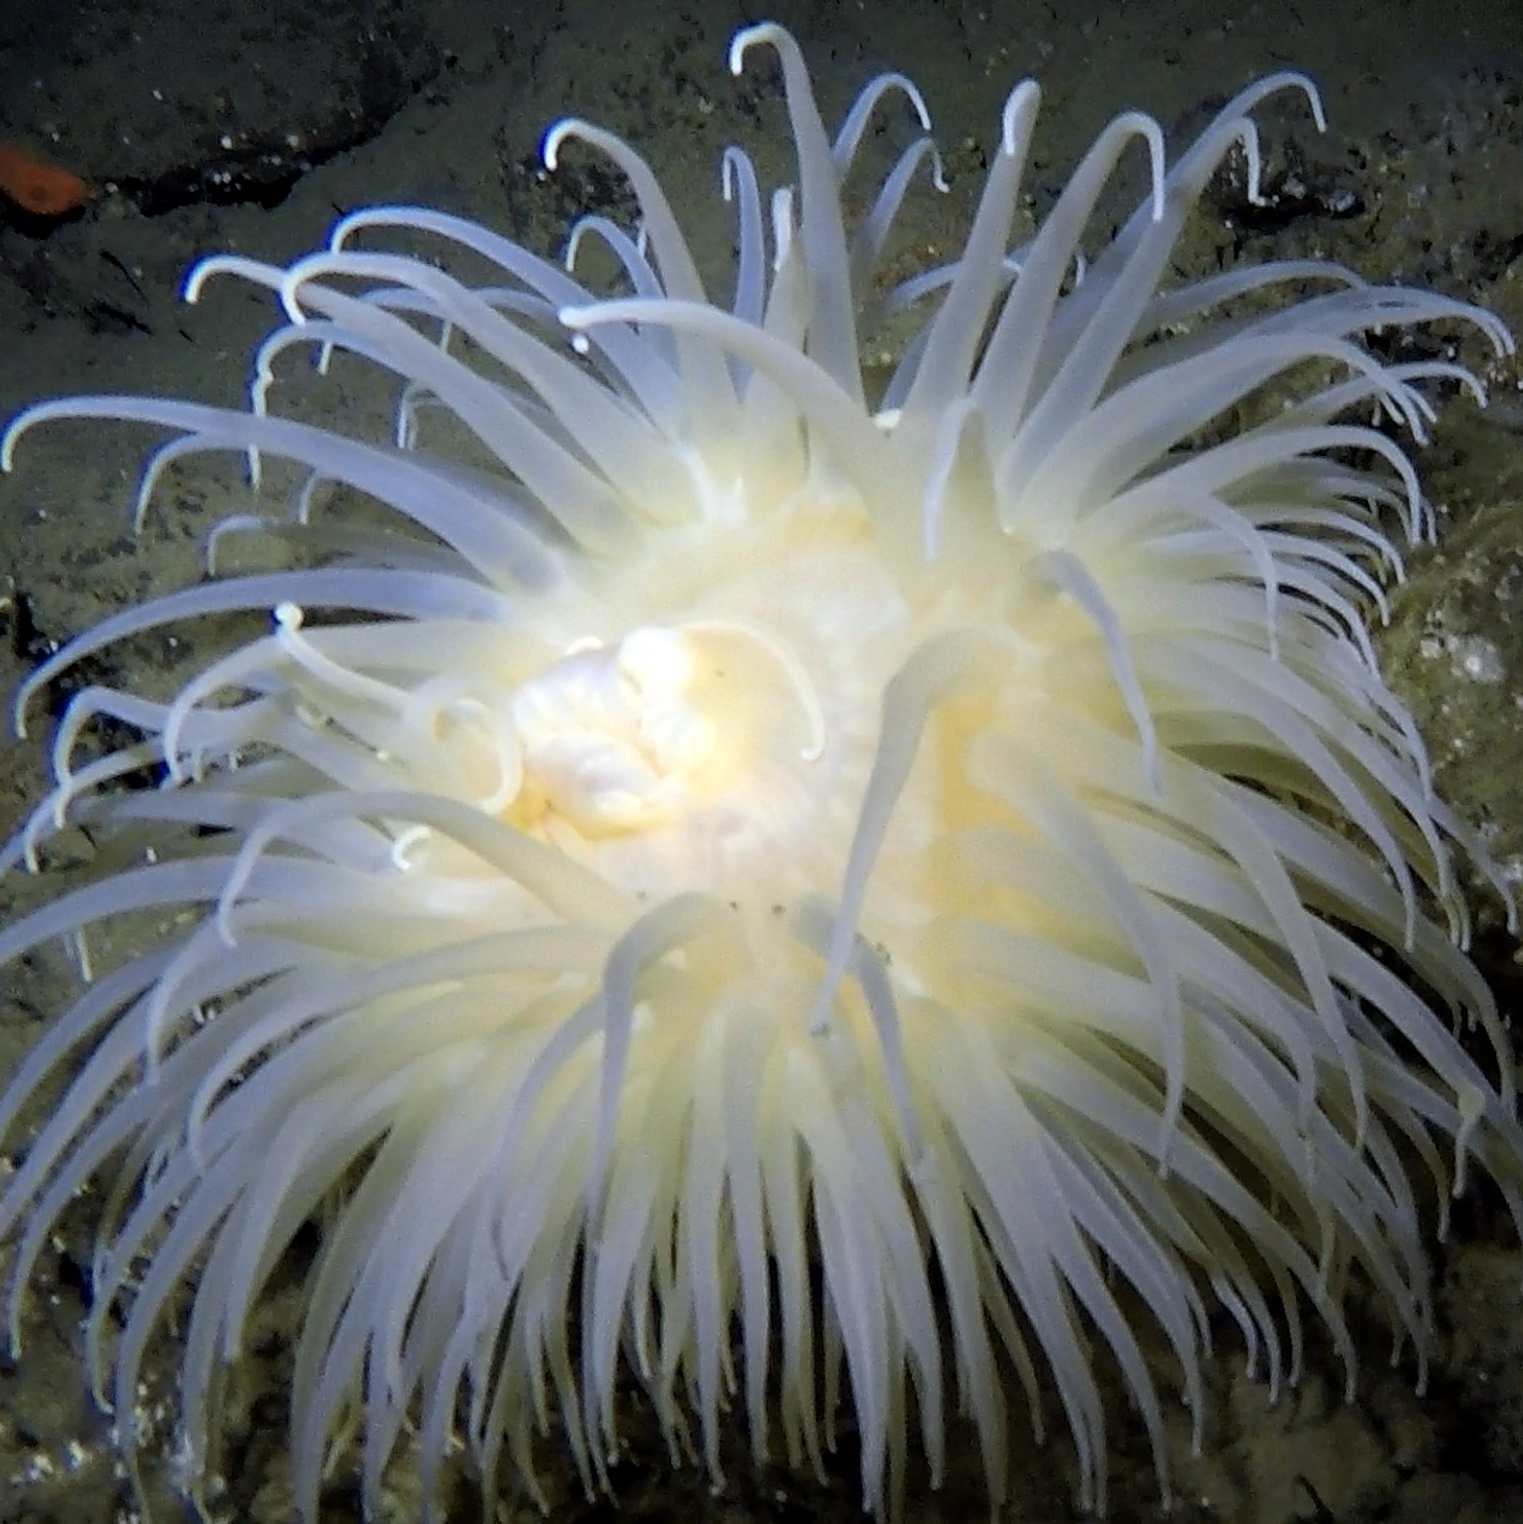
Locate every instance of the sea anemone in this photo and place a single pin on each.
(795, 894)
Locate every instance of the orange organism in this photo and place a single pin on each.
(38, 187)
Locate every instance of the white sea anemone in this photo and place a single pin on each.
(795, 897)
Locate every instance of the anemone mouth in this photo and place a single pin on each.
(778, 893)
